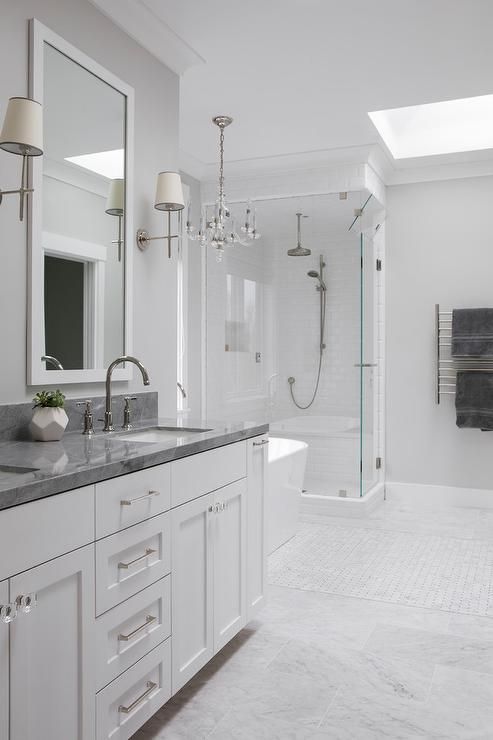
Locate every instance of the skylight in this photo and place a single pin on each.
(109, 164)
(463, 125)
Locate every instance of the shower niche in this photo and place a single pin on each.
(294, 336)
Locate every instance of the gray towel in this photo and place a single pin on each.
(472, 332)
(474, 399)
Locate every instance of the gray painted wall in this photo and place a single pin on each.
(156, 148)
(194, 389)
(439, 250)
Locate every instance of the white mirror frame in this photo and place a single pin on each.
(36, 373)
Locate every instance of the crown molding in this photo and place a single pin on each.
(150, 31)
(457, 170)
(320, 159)
(382, 171)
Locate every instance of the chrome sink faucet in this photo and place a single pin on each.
(108, 415)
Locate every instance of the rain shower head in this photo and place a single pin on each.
(299, 251)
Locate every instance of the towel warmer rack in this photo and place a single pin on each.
(446, 366)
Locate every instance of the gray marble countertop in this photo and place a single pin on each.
(78, 460)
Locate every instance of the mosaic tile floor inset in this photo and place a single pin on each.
(430, 571)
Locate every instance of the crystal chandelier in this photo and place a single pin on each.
(219, 230)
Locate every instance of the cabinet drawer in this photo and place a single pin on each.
(132, 629)
(198, 474)
(130, 560)
(130, 700)
(132, 498)
(38, 531)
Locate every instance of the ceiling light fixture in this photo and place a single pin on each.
(220, 230)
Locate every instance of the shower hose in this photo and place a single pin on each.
(291, 380)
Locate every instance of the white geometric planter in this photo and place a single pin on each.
(48, 424)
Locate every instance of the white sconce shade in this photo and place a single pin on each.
(169, 192)
(116, 198)
(22, 131)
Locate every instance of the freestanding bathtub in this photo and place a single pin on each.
(286, 471)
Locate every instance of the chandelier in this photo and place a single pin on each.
(218, 229)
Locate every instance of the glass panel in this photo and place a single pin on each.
(265, 312)
(369, 369)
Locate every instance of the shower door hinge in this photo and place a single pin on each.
(378, 463)
(379, 265)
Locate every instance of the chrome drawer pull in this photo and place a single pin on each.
(149, 551)
(262, 442)
(149, 620)
(146, 496)
(150, 688)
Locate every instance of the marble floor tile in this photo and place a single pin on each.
(355, 670)
(469, 625)
(377, 716)
(439, 648)
(247, 724)
(468, 690)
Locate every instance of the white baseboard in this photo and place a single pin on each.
(336, 506)
(424, 494)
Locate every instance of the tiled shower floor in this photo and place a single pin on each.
(321, 666)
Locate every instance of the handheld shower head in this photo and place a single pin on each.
(316, 275)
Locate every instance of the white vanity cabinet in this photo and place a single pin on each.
(51, 650)
(136, 582)
(4, 665)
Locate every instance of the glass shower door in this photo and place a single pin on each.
(369, 366)
(367, 363)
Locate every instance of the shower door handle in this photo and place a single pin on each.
(366, 364)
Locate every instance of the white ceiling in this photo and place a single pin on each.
(301, 75)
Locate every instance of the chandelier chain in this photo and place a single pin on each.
(221, 162)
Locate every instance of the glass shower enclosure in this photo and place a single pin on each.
(291, 334)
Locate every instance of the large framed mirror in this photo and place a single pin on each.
(80, 256)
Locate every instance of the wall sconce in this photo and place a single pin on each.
(22, 133)
(114, 207)
(169, 197)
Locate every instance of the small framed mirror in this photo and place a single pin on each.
(80, 256)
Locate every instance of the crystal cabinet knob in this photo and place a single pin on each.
(8, 613)
(26, 602)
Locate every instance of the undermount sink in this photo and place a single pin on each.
(160, 434)
(16, 469)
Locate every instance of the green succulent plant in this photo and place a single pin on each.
(49, 399)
